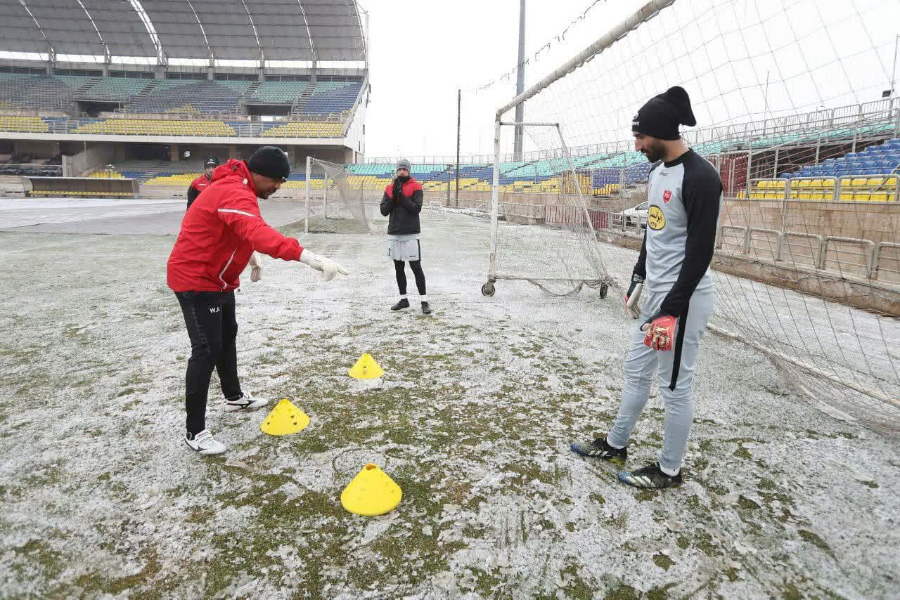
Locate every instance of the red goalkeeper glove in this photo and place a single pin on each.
(660, 332)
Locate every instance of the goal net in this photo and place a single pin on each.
(560, 255)
(335, 201)
(797, 109)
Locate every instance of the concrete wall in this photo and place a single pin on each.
(878, 222)
(87, 160)
(38, 149)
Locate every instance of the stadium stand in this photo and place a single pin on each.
(333, 97)
(300, 129)
(38, 92)
(867, 176)
(156, 127)
(158, 96)
(284, 92)
(23, 124)
(114, 88)
(192, 97)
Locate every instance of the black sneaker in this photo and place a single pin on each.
(426, 309)
(404, 303)
(600, 449)
(650, 477)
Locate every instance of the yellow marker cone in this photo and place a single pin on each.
(366, 368)
(285, 418)
(371, 493)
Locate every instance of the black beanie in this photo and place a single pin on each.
(662, 114)
(270, 162)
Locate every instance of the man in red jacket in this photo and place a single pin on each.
(202, 182)
(218, 235)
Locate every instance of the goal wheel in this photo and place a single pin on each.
(488, 289)
(603, 290)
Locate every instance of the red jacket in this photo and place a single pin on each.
(201, 183)
(197, 186)
(219, 233)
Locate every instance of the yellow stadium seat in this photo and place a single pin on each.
(304, 129)
(157, 127)
(23, 124)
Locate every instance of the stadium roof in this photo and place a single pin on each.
(231, 33)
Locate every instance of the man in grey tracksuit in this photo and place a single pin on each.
(685, 194)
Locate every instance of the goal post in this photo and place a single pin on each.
(561, 281)
(564, 270)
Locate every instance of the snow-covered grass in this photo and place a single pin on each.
(473, 420)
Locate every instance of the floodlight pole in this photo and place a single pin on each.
(520, 85)
(458, 123)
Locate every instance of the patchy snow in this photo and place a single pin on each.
(473, 420)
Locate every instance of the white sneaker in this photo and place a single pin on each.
(205, 443)
(245, 402)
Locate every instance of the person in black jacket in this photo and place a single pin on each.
(202, 182)
(402, 202)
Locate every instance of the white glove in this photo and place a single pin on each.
(329, 268)
(633, 297)
(255, 267)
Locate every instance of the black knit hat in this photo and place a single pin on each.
(212, 162)
(270, 162)
(662, 114)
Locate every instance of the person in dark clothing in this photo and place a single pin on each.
(685, 194)
(402, 202)
(202, 182)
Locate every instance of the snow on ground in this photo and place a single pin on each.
(473, 419)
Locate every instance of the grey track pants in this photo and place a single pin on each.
(640, 366)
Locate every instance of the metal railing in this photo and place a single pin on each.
(847, 256)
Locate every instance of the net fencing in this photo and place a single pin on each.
(335, 202)
(787, 96)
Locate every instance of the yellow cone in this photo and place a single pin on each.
(285, 418)
(371, 493)
(366, 368)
